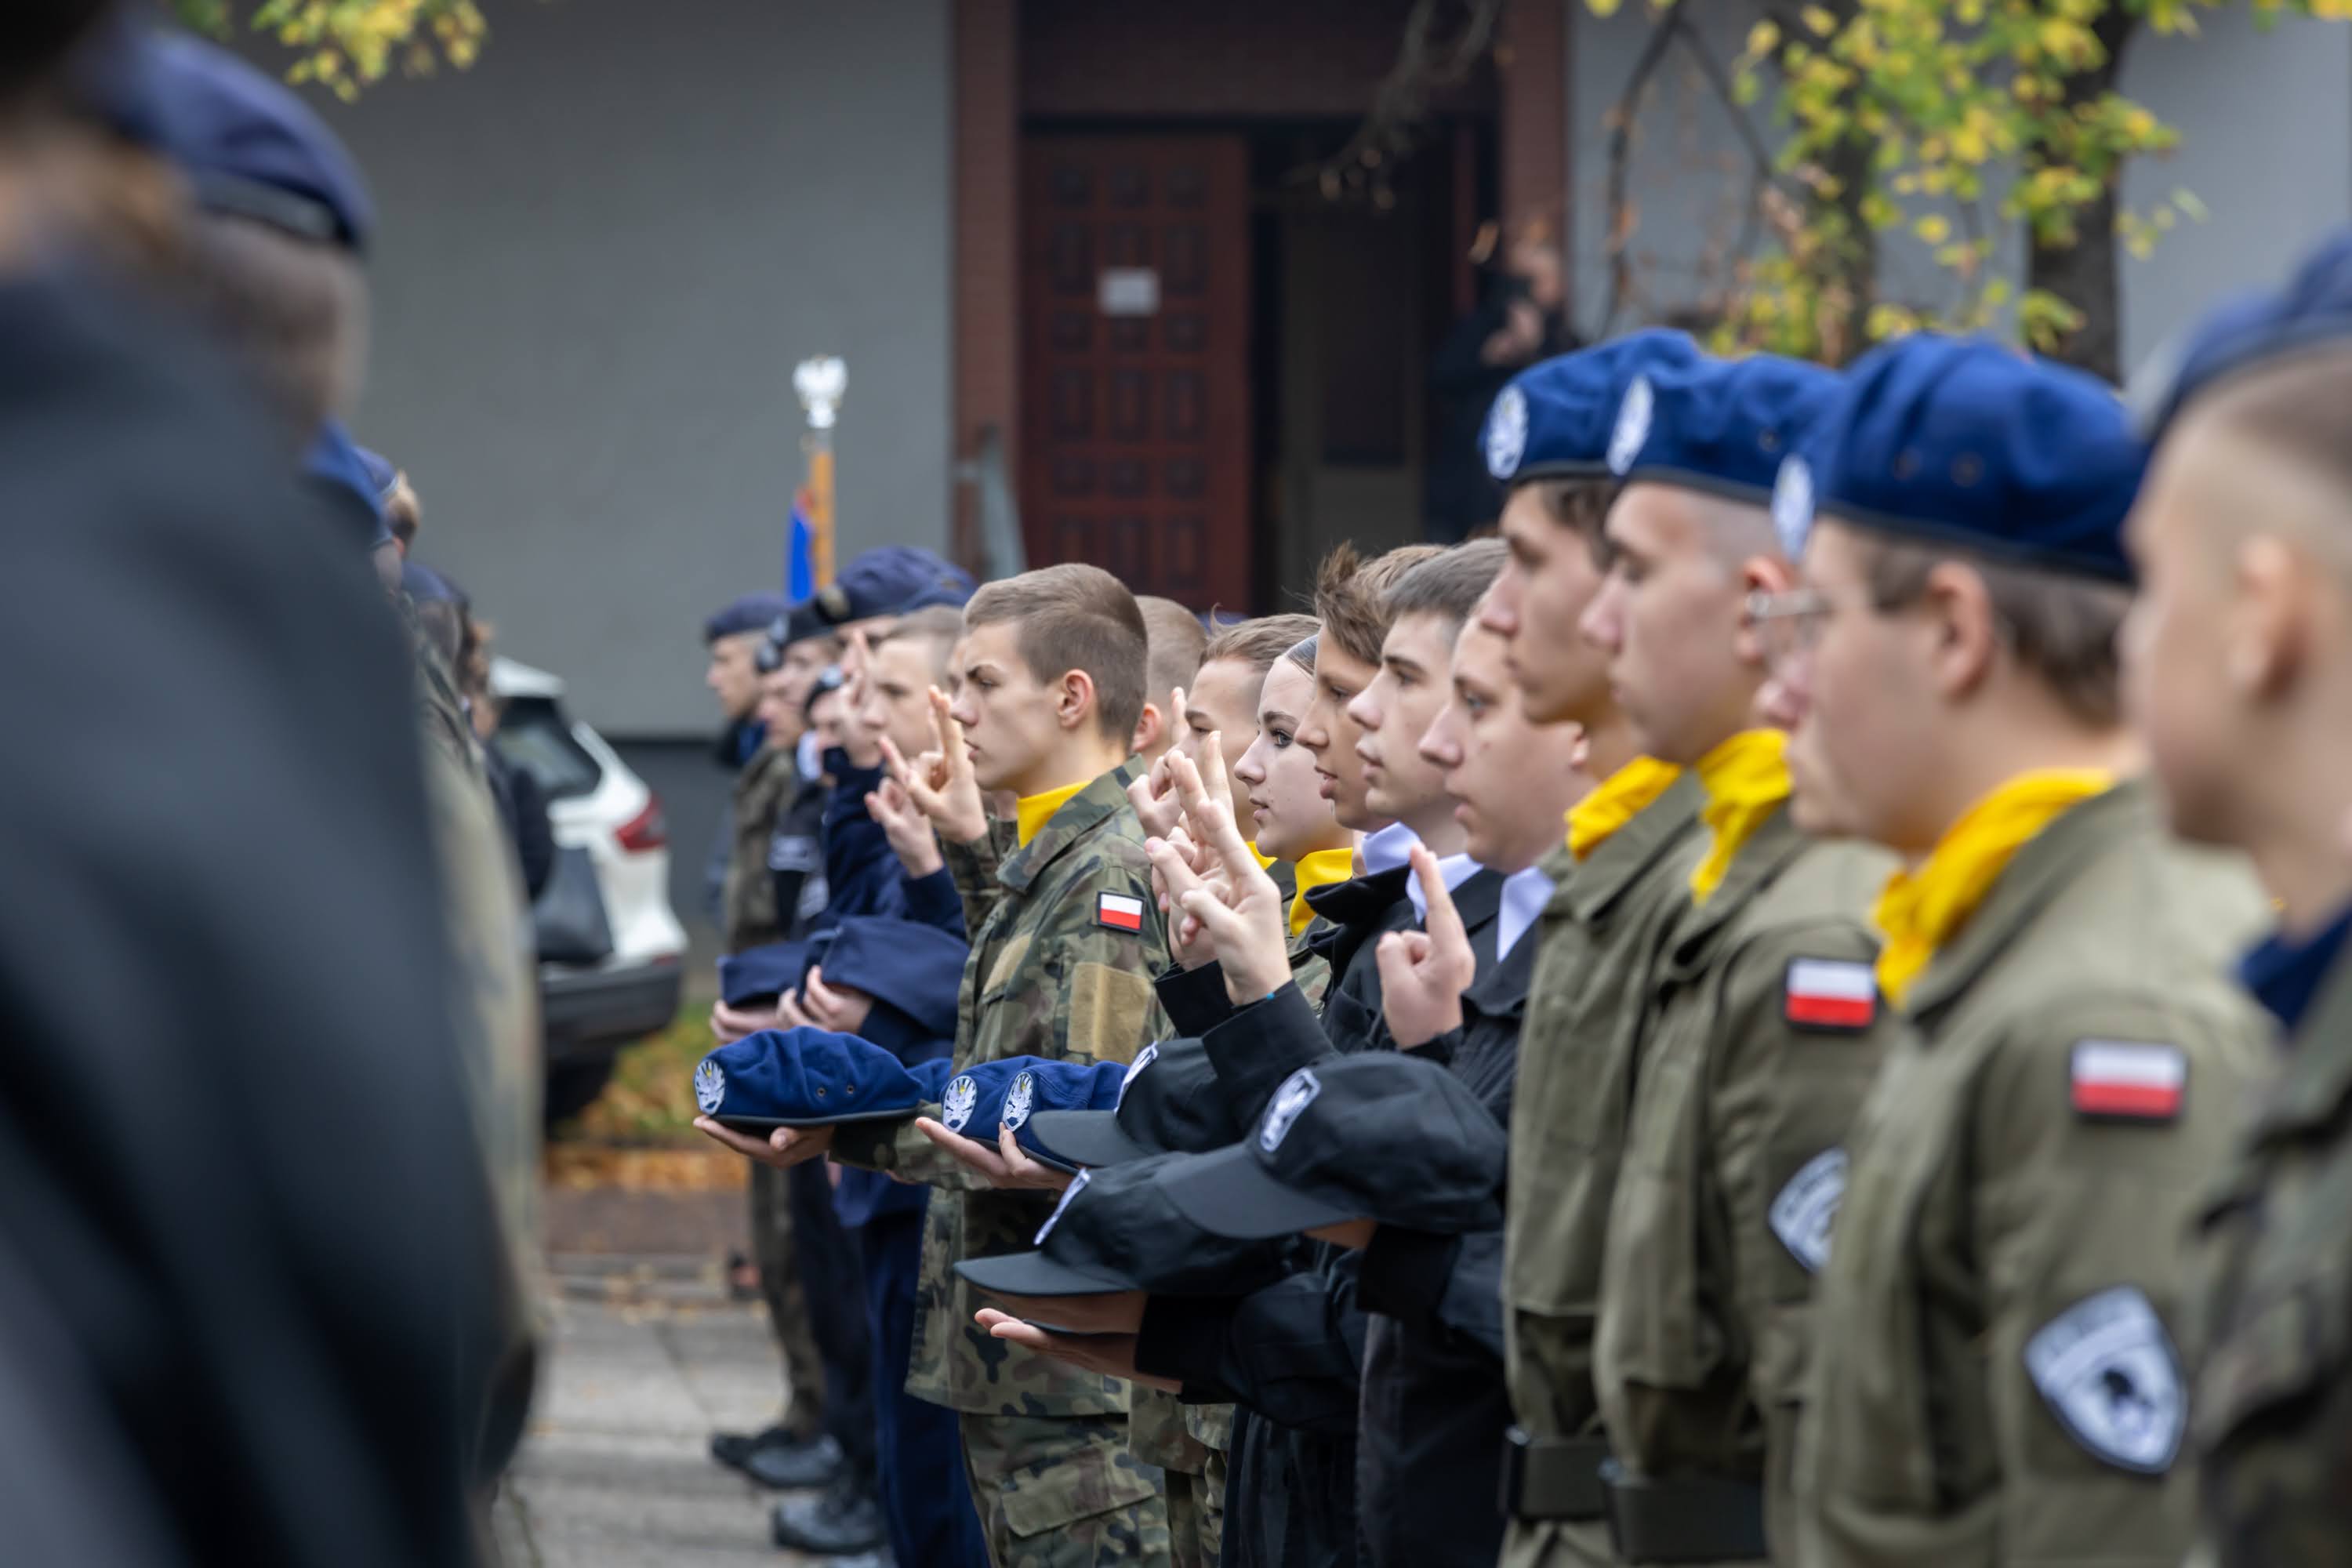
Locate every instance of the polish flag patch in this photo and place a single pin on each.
(1831, 994)
(1121, 911)
(2128, 1080)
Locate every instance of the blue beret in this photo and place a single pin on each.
(760, 974)
(752, 613)
(426, 586)
(334, 459)
(890, 581)
(380, 472)
(806, 1078)
(1554, 420)
(248, 144)
(2314, 311)
(1719, 426)
(914, 968)
(988, 1096)
(1964, 442)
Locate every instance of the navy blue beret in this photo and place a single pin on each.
(807, 1078)
(1963, 442)
(752, 613)
(1554, 420)
(2312, 310)
(1718, 426)
(760, 974)
(914, 967)
(988, 1096)
(249, 144)
(380, 472)
(334, 459)
(426, 586)
(892, 579)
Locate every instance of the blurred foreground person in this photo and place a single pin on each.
(250, 1265)
(2240, 647)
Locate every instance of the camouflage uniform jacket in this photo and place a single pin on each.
(1993, 1215)
(762, 791)
(1051, 974)
(1722, 1208)
(2273, 1399)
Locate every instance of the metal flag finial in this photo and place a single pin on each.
(820, 382)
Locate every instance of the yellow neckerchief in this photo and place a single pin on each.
(1616, 801)
(1921, 909)
(1317, 868)
(1264, 862)
(1747, 779)
(1031, 812)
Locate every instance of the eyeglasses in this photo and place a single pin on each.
(1790, 624)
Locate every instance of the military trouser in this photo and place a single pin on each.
(1063, 1492)
(788, 1317)
(1196, 1513)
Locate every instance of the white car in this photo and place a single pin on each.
(594, 803)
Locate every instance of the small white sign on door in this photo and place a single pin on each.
(1129, 292)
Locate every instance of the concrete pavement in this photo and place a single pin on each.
(646, 1358)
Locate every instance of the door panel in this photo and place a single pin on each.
(1135, 451)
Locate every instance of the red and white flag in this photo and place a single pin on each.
(1120, 911)
(2131, 1080)
(1832, 993)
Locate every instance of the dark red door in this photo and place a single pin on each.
(1134, 361)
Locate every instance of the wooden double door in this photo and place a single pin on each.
(1135, 337)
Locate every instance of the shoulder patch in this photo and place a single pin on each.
(1143, 1059)
(956, 1109)
(794, 852)
(1077, 1185)
(1120, 911)
(1829, 994)
(2107, 1370)
(2127, 1081)
(1804, 1211)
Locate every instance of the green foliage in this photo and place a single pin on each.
(345, 45)
(1967, 120)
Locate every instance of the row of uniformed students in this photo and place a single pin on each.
(1800, 1161)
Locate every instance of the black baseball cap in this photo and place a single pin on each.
(1170, 1103)
(1379, 1136)
(1115, 1230)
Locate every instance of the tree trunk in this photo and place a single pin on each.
(2084, 273)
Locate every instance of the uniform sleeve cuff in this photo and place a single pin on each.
(1405, 1272)
(1195, 999)
(1183, 1339)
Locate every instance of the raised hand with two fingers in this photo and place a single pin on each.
(1235, 902)
(941, 782)
(1423, 972)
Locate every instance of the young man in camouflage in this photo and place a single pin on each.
(1760, 1034)
(2238, 659)
(1052, 675)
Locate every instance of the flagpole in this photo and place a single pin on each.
(820, 382)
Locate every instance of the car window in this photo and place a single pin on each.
(534, 735)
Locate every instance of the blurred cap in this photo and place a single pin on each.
(804, 1077)
(1554, 420)
(1115, 1230)
(1170, 1100)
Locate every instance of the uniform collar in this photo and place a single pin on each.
(1088, 809)
(2042, 868)
(1031, 812)
(1767, 849)
(1389, 848)
(2285, 975)
(1525, 894)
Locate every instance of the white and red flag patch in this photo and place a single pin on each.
(2130, 1081)
(1831, 994)
(1121, 911)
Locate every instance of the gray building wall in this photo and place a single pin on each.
(2265, 120)
(604, 249)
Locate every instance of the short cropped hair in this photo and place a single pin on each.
(293, 311)
(38, 34)
(938, 625)
(402, 512)
(1450, 584)
(1173, 638)
(2062, 629)
(1075, 617)
(1259, 643)
(1581, 506)
(1352, 596)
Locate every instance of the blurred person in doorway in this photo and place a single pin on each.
(1522, 319)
